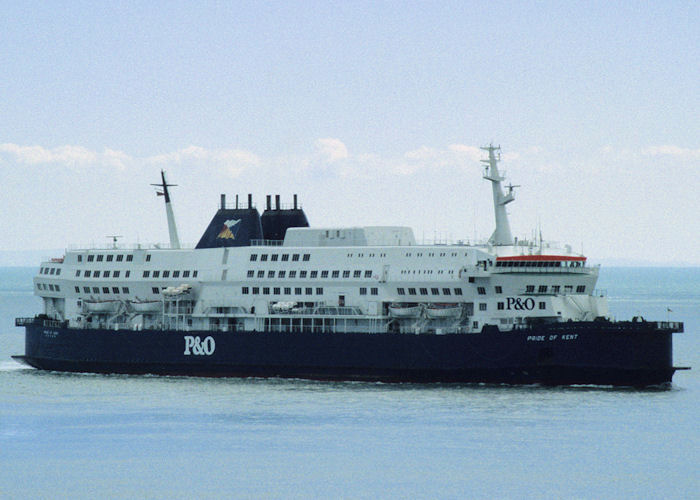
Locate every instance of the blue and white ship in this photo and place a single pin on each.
(268, 296)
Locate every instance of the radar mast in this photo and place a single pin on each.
(172, 228)
(501, 235)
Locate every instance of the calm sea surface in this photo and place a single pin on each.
(89, 436)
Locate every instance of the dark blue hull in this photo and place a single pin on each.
(602, 353)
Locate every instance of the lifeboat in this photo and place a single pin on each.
(404, 311)
(101, 306)
(145, 306)
(436, 311)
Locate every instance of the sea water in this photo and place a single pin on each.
(95, 436)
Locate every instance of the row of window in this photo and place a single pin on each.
(102, 274)
(275, 257)
(50, 270)
(168, 274)
(426, 271)
(424, 291)
(105, 290)
(369, 255)
(110, 257)
(50, 287)
(311, 274)
(554, 289)
(521, 263)
(255, 290)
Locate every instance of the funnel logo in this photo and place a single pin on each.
(227, 232)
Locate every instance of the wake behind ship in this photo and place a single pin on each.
(267, 295)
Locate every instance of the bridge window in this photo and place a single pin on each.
(555, 288)
(261, 274)
(458, 291)
(263, 257)
(166, 274)
(130, 258)
(115, 289)
(295, 257)
(77, 289)
(309, 290)
(401, 291)
(580, 289)
(568, 288)
(127, 274)
(176, 274)
(293, 274)
(80, 258)
(424, 291)
(86, 289)
(446, 291)
(435, 291)
(411, 291)
(148, 257)
(276, 290)
(270, 274)
(120, 257)
(77, 272)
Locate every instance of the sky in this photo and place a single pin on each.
(372, 112)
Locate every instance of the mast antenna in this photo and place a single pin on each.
(501, 235)
(162, 190)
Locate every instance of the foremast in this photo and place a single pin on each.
(172, 228)
(501, 235)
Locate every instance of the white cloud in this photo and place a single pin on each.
(331, 150)
(70, 156)
(670, 150)
(233, 161)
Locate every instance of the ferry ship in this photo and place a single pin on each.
(268, 296)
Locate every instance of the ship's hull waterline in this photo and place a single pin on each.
(596, 353)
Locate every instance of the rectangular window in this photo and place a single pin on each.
(411, 291)
(110, 258)
(542, 289)
(368, 274)
(261, 274)
(53, 270)
(263, 257)
(568, 288)
(295, 257)
(105, 289)
(375, 291)
(130, 258)
(276, 290)
(357, 274)
(319, 291)
(293, 274)
(146, 274)
(115, 289)
(580, 289)
(166, 274)
(424, 291)
(100, 258)
(116, 274)
(481, 290)
(287, 290)
(555, 288)
(91, 258)
(245, 290)
(435, 291)
(185, 274)
(543, 305)
(105, 274)
(194, 274)
(80, 258)
(458, 291)
(336, 274)
(256, 290)
(156, 274)
(346, 274)
(274, 257)
(270, 274)
(77, 289)
(58, 288)
(499, 289)
(253, 257)
(309, 290)
(482, 307)
(313, 274)
(127, 274)
(363, 291)
(148, 257)
(501, 306)
(285, 257)
(529, 288)
(58, 271)
(297, 290)
(401, 291)
(87, 273)
(266, 290)
(176, 274)
(324, 274)
(155, 290)
(120, 257)
(125, 289)
(281, 274)
(446, 291)
(307, 257)
(86, 289)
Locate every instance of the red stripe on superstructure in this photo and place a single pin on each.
(538, 258)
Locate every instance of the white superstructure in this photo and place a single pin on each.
(368, 279)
